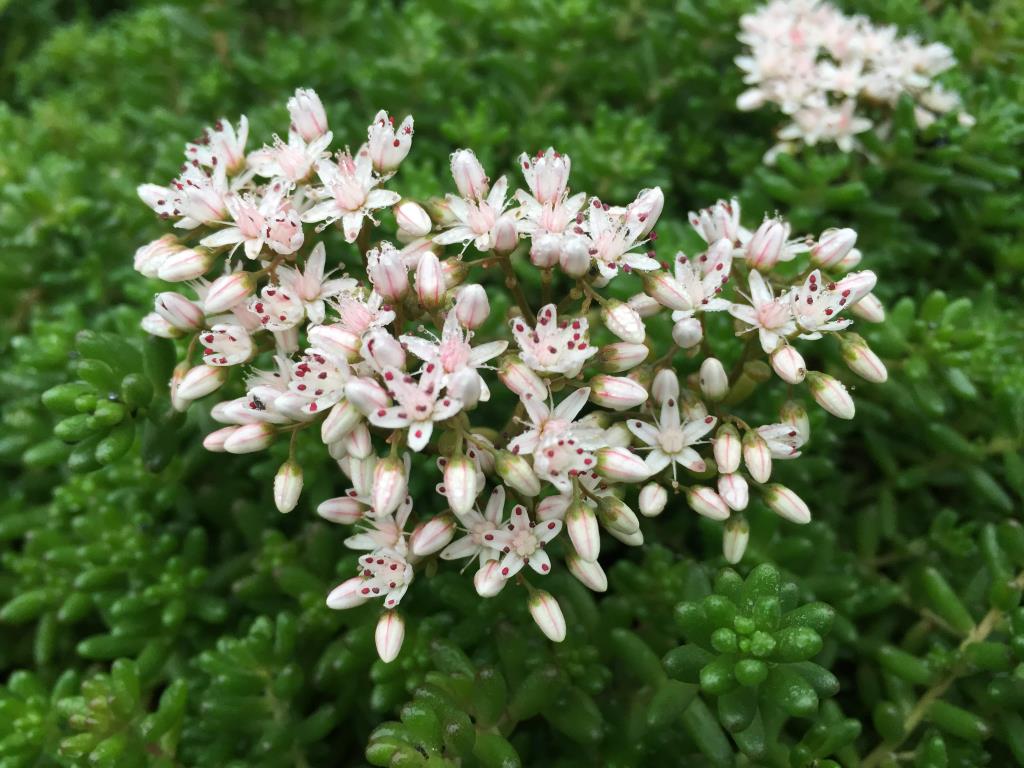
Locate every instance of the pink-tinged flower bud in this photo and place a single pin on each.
(488, 581)
(645, 210)
(621, 465)
(869, 309)
(644, 305)
(734, 491)
(341, 419)
(338, 452)
(616, 392)
(714, 381)
(786, 504)
(665, 386)
(336, 340)
(472, 306)
(623, 321)
(666, 290)
(469, 175)
(360, 472)
(214, 442)
(505, 235)
(861, 359)
(307, 114)
(618, 434)
(616, 515)
(388, 272)
(734, 539)
(832, 247)
(859, 285)
(348, 594)
(383, 349)
(765, 247)
(589, 573)
(757, 456)
(179, 403)
(789, 364)
(388, 146)
(432, 536)
(343, 509)
(546, 249)
(250, 438)
(831, 395)
(358, 443)
(517, 473)
(201, 381)
(155, 325)
(412, 219)
(547, 175)
(653, 500)
(287, 486)
(150, 257)
(430, 286)
(850, 261)
(460, 484)
(795, 414)
(187, 264)
(635, 539)
(622, 356)
(518, 377)
(178, 311)
(366, 395)
(390, 486)
(704, 501)
(454, 271)
(228, 291)
(581, 525)
(727, 449)
(389, 636)
(548, 615)
(574, 257)
(688, 333)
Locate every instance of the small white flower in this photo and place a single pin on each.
(480, 528)
(420, 404)
(521, 542)
(671, 439)
(772, 317)
(350, 186)
(553, 347)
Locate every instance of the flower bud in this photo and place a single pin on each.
(665, 386)
(621, 465)
(307, 114)
(581, 525)
(505, 235)
(735, 538)
(389, 636)
(869, 309)
(432, 536)
(861, 360)
(179, 403)
(412, 219)
(757, 456)
(187, 264)
(859, 285)
(250, 438)
(430, 286)
(201, 381)
(517, 473)
(545, 249)
(460, 484)
(388, 147)
(786, 504)
(850, 261)
(361, 473)
(518, 377)
(348, 594)
(390, 485)
(358, 442)
(341, 419)
(366, 395)
(488, 581)
(714, 381)
(704, 501)
(795, 414)
(666, 290)
(227, 291)
(623, 321)
(622, 356)
(616, 392)
(287, 486)
(832, 247)
(645, 210)
(765, 247)
(214, 442)
(548, 615)
(688, 333)
(469, 175)
(472, 306)
(342, 509)
(178, 311)
(618, 434)
(336, 340)
(653, 500)
(155, 325)
(831, 395)
(727, 448)
(388, 272)
(789, 364)
(589, 573)
(150, 256)
(644, 305)
(616, 515)
(734, 491)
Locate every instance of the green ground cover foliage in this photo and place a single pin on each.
(156, 610)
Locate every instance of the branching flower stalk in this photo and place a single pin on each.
(388, 350)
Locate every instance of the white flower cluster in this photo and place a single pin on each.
(597, 428)
(823, 69)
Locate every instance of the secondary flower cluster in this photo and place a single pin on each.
(390, 365)
(823, 69)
